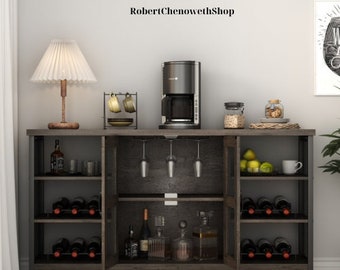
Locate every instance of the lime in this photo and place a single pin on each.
(266, 167)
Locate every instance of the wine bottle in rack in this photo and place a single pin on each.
(265, 247)
(77, 247)
(282, 246)
(57, 160)
(281, 203)
(248, 205)
(131, 245)
(61, 246)
(248, 246)
(93, 205)
(77, 204)
(94, 246)
(264, 204)
(60, 205)
(144, 236)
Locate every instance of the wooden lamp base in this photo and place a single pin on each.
(63, 125)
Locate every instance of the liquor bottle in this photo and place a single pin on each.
(93, 205)
(57, 160)
(182, 246)
(131, 245)
(144, 236)
(282, 246)
(248, 205)
(263, 203)
(205, 238)
(77, 247)
(61, 246)
(159, 245)
(281, 203)
(77, 204)
(93, 246)
(60, 205)
(248, 246)
(265, 247)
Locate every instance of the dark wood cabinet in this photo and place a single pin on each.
(124, 193)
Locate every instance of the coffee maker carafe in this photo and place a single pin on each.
(181, 95)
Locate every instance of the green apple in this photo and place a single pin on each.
(253, 166)
(249, 154)
(243, 165)
(266, 167)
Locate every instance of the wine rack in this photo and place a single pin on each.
(124, 194)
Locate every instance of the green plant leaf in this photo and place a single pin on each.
(332, 166)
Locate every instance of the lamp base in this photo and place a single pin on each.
(63, 125)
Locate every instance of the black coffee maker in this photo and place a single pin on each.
(181, 102)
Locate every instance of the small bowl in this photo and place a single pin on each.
(120, 122)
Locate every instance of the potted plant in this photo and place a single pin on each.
(332, 149)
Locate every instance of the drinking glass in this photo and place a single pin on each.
(198, 162)
(144, 163)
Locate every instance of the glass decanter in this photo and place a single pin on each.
(159, 245)
(182, 246)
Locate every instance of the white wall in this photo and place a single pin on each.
(264, 51)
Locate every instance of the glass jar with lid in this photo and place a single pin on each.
(234, 117)
(274, 109)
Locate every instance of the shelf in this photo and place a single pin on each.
(180, 198)
(275, 178)
(275, 218)
(67, 178)
(51, 218)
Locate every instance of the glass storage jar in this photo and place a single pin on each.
(274, 109)
(234, 117)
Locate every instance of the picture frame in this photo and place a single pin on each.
(327, 47)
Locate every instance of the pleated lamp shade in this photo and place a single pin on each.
(63, 62)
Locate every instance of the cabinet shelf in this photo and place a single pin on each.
(180, 198)
(67, 178)
(293, 218)
(275, 178)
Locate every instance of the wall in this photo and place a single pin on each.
(265, 50)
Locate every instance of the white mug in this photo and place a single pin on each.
(291, 166)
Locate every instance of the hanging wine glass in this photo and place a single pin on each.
(144, 164)
(171, 160)
(198, 162)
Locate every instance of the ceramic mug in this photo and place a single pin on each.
(291, 166)
(113, 104)
(129, 104)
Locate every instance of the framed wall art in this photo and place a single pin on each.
(327, 48)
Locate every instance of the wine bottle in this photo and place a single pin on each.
(57, 160)
(61, 246)
(131, 245)
(144, 236)
(77, 204)
(60, 205)
(249, 205)
(93, 246)
(93, 205)
(282, 246)
(248, 246)
(77, 246)
(265, 247)
(266, 205)
(281, 203)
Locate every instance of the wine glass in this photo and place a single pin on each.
(198, 162)
(171, 160)
(144, 164)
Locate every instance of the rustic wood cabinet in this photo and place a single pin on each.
(124, 193)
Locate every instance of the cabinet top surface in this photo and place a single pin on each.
(170, 132)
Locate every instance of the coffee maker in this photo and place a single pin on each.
(181, 102)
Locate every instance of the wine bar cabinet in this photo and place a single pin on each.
(178, 175)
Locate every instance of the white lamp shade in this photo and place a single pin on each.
(63, 60)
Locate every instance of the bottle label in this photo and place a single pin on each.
(144, 245)
(60, 163)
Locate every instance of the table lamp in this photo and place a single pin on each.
(63, 61)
